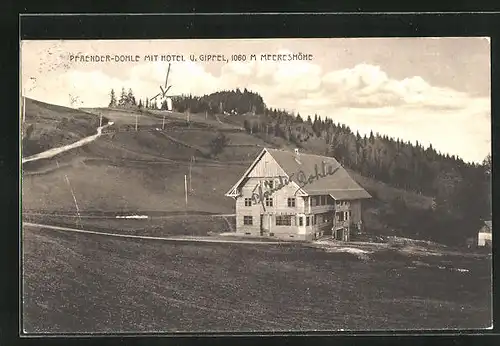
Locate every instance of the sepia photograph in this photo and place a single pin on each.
(255, 185)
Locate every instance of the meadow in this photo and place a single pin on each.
(77, 283)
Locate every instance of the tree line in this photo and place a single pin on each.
(462, 191)
(128, 100)
(222, 102)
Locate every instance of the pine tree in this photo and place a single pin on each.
(131, 98)
(299, 119)
(147, 103)
(112, 102)
(123, 98)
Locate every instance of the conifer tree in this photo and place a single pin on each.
(112, 102)
(123, 98)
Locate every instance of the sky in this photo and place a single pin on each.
(431, 90)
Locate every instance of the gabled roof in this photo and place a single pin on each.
(301, 166)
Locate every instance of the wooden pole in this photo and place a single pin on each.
(185, 189)
(190, 164)
(136, 120)
(100, 119)
(163, 124)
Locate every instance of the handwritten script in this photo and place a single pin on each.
(260, 192)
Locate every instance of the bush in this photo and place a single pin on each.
(218, 144)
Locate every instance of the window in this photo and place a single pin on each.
(248, 220)
(291, 202)
(301, 221)
(283, 220)
(248, 202)
(269, 202)
(313, 219)
(307, 220)
(340, 216)
(270, 184)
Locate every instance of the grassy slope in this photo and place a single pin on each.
(90, 283)
(128, 172)
(144, 170)
(54, 126)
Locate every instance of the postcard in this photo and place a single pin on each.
(256, 185)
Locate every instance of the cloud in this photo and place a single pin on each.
(368, 86)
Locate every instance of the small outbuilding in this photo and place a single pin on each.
(484, 234)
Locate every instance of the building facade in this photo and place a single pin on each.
(296, 196)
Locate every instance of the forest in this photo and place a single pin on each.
(461, 190)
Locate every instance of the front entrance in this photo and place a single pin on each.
(339, 234)
(265, 224)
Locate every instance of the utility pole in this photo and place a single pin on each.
(185, 190)
(190, 168)
(100, 119)
(136, 120)
(190, 165)
(163, 123)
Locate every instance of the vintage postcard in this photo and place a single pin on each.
(263, 185)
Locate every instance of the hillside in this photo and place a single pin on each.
(48, 126)
(131, 172)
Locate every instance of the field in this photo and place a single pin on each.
(89, 283)
(94, 283)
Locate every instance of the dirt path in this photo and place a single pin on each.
(90, 215)
(173, 238)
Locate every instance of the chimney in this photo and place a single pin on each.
(296, 151)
